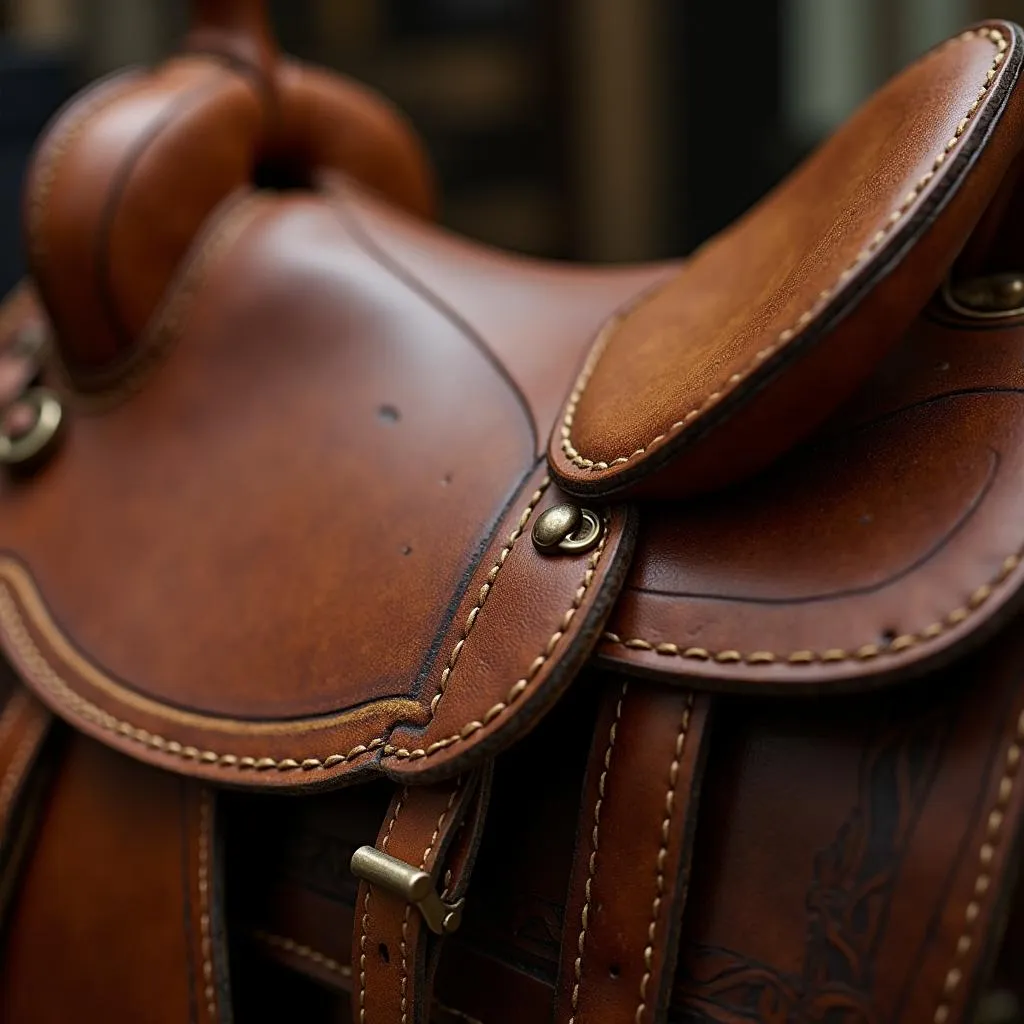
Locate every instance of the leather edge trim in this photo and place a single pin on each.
(608, 479)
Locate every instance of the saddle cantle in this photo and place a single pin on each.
(550, 590)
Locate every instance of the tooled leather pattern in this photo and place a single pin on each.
(847, 903)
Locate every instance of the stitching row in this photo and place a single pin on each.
(364, 925)
(48, 679)
(204, 905)
(670, 800)
(901, 644)
(787, 335)
(45, 676)
(408, 907)
(521, 685)
(983, 882)
(592, 866)
(486, 589)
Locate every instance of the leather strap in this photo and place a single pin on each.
(633, 852)
(25, 725)
(436, 829)
(207, 941)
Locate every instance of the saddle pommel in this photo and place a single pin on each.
(136, 176)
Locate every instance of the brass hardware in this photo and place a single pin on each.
(555, 524)
(993, 297)
(409, 883)
(29, 428)
(568, 529)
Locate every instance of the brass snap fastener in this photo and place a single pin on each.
(29, 428)
(992, 297)
(567, 529)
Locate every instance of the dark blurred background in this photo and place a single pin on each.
(585, 129)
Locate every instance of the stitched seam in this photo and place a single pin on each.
(670, 799)
(44, 675)
(895, 220)
(521, 685)
(983, 882)
(901, 644)
(206, 937)
(592, 865)
(303, 952)
(365, 923)
(408, 907)
(362, 956)
(485, 590)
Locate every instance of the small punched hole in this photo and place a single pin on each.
(389, 414)
(446, 480)
(889, 635)
(384, 954)
(406, 549)
(614, 971)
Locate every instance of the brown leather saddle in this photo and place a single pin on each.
(396, 630)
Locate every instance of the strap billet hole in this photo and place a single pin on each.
(384, 954)
(615, 971)
(389, 414)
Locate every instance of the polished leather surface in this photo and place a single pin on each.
(112, 921)
(783, 315)
(863, 557)
(285, 546)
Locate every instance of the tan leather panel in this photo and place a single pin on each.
(523, 626)
(239, 582)
(109, 863)
(538, 317)
(873, 552)
(730, 361)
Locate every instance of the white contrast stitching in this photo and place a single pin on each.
(983, 883)
(786, 336)
(592, 863)
(673, 780)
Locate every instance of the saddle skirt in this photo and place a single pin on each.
(651, 631)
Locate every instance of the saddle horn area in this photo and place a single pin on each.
(133, 173)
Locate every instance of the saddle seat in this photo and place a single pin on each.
(290, 537)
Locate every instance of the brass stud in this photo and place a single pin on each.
(992, 297)
(30, 429)
(567, 529)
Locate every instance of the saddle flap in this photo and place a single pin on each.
(775, 322)
(883, 548)
(273, 557)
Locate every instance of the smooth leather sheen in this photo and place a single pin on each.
(755, 756)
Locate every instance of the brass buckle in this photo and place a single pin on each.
(409, 883)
